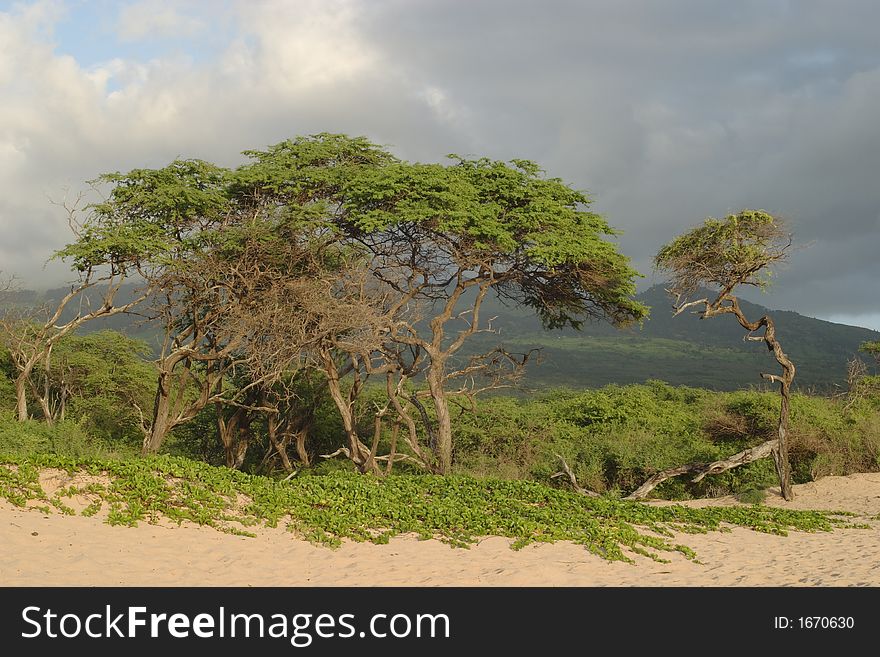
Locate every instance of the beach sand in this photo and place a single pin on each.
(58, 550)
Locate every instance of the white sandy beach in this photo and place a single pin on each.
(57, 550)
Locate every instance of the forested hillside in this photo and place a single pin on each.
(680, 350)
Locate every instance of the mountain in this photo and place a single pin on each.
(681, 350)
(707, 353)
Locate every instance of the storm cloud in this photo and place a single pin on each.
(666, 113)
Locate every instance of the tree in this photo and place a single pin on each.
(101, 376)
(329, 252)
(305, 305)
(439, 239)
(240, 285)
(860, 383)
(30, 333)
(159, 220)
(740, 249)
(872, 349)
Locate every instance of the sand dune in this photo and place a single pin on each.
(57, 550)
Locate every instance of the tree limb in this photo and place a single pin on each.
(703, 469)
(566, 471)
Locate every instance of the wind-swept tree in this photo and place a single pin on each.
(241, 285)
(327, 250)
(723, 255)
(439, 239)
(160, 219)
(309, 306)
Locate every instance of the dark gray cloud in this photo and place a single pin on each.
(671, 112)
(666, 112)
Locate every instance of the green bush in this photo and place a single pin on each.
(67, 438)
(616, 437)
(7, 394)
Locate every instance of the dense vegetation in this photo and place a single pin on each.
(326, 255)
(613, 437)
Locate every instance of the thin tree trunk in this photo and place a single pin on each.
(358, 452)
(412, 434)
(301, 451)
(21, 383)
(280, 446)
(242, 444)
(780, 453)
(161, 412)
(443, 449)
(47, 410)
(228, 430)
(392, 452)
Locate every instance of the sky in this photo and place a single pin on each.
(665, 113)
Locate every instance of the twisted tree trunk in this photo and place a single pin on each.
(778, 446)
(780, 451)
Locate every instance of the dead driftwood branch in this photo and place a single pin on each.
(397, 457)
(566, 471)
(761, 451)
(342, 450)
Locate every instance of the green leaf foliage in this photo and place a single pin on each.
(872, 349)
(149, 215)
(534, 234)
(105, 375)
(614, 438)
(725, 252)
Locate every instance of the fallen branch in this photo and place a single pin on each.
(574, 482)
(763, 450)
(703, 469)
(342, 450)
(397, 457)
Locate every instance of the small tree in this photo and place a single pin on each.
(723, 255)
(31, 333)
(101, 376)
(872, 349)
(860, 382)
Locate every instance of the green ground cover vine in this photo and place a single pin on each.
(342, 505)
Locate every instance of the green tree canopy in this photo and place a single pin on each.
(435, 238)
(872, 349)
(424, 223)
(723, 253)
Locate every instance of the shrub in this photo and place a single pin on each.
(616, 437)
(67, 438)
